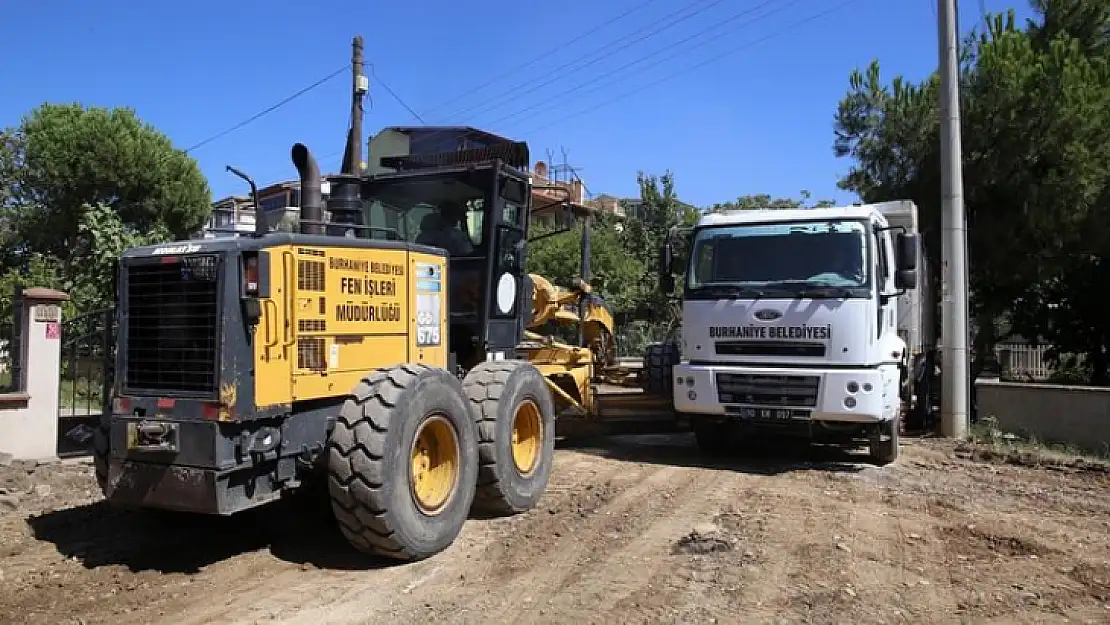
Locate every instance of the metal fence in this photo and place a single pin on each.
(1024, 362)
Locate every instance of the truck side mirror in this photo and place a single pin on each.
(905, 279)
(908, 250)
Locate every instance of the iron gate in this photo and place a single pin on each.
(86, 376)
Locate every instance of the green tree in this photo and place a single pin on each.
(78, 185)
(1035, 103)
(642, 238)
(558, 258)
(765, 201)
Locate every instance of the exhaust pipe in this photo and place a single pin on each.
(259, 221)
(312, 202)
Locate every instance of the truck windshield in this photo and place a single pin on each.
(787, 255)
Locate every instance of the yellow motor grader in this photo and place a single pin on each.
(418, 380)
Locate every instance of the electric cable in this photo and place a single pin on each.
(696, 66)
(270, 109)
(542, 56)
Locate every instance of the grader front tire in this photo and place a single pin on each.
(515, 417)
(402, 463)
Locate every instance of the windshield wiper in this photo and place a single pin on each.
(728, 290)
(807, 288)
(826, 290)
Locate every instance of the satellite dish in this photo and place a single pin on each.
(541, 169)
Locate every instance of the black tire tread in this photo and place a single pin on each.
(887, 448)
(659, 361)
(356, 465)
(483, 386)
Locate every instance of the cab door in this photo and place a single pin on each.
(506, 229)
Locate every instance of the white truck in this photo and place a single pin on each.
(791, 322)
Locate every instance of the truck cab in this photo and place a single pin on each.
(790, 323)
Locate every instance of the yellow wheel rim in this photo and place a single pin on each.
(435, 464)
(527, 436)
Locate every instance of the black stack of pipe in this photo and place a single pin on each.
(312, 200)
(345, 207)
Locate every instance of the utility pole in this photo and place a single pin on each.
(954, 326)
(352, 155)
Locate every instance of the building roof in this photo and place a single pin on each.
(469, 130)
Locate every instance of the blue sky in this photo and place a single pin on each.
(756, 121)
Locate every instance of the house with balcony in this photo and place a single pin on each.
(235, 215)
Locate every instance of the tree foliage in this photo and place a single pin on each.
(1035, 102)
(764, 201)
(78, 186)
(623, 260)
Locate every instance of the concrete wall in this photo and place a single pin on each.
(1071, 415)
(29, 415)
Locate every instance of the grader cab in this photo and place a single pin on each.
(414, 380)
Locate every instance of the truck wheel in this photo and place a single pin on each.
(884, 441)
(713, 438)
(659, 361)
(402, 461)
(515, 417)
(101, 451)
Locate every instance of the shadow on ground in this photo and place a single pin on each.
(761, 456)
(298, 529)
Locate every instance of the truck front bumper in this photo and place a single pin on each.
(783, 395)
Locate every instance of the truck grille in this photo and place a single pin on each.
(171, 316)
(770, 348)
(768, 390)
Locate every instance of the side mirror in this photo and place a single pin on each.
(908, 250)
(905, 279)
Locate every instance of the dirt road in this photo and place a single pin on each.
(636, 530)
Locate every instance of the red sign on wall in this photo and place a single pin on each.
(53, 330)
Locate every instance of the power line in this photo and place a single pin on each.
(694, 67)
(684, 9)
(271, 109)
(781, 5)
(604, 51)
(396, 97)
(542, 55)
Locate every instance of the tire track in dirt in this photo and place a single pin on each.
(316, 596)
(675, 586)
(587, 542)
(888, 536)
(624, 566)
(546, 546)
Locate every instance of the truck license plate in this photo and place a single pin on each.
(767, 414)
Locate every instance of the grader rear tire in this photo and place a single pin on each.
(402, 463)
(515, 417)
